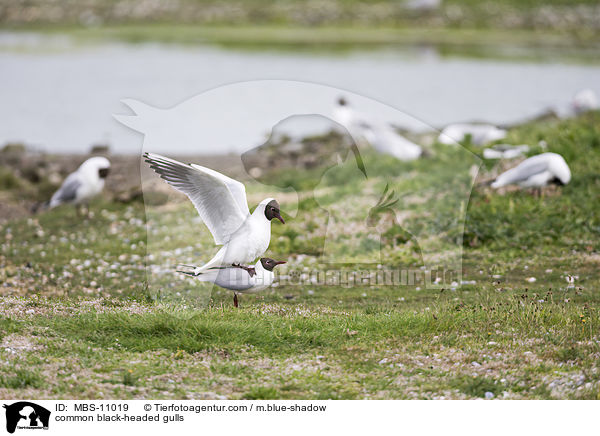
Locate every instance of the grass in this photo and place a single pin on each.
(247, 353)
(20, 379)
(457, 13)
(568, 221)
(79, 320)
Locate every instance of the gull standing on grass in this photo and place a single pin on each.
(222, 205)
(82, 185)
(236, 279)
(536, 172)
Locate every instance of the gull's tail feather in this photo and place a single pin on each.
(197, 273)
(214, 263)
(210, 266)
(188, 273)
(189, 270)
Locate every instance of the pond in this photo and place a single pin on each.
(60, 97)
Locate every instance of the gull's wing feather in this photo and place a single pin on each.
(237, 189)
(523, 171)
(212, 197)
(67, 191)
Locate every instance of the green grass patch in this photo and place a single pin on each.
(79, 319)
(20, 379)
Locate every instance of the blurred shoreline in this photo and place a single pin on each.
(526, 45)
(68, 89)
(581, 16)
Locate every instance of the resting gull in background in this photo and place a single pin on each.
(383, 137)
(505, 151)
(536, 172)
(585, 100)
(350, 119)
(82, 185)
(480, 133)
(387, 141)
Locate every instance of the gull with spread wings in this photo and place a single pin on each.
(222, 205)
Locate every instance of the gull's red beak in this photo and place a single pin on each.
(279, 218)
(279, 262)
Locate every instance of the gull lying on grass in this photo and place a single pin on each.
(386, 140)
(83, 184)
(480, 133)
(381, 136)
(222, 205)
(536, 172)
(505, 151)
(236, 279)
(349, 118)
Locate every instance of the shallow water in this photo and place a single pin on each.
(62, 99)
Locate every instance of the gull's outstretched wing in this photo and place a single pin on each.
(216, 197)
(67, 191)
(237, 189)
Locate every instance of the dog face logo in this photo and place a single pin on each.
(26, 415)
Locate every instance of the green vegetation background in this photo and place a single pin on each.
(78, 321)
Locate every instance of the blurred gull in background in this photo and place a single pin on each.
(585, 100)
(383, 137)
(82, 185)
(480, 133)
(536, 172)
(505, 151)
(387, 141)
(350, 119)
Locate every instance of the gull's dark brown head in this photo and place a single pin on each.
(269, 263)
(272, 211)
